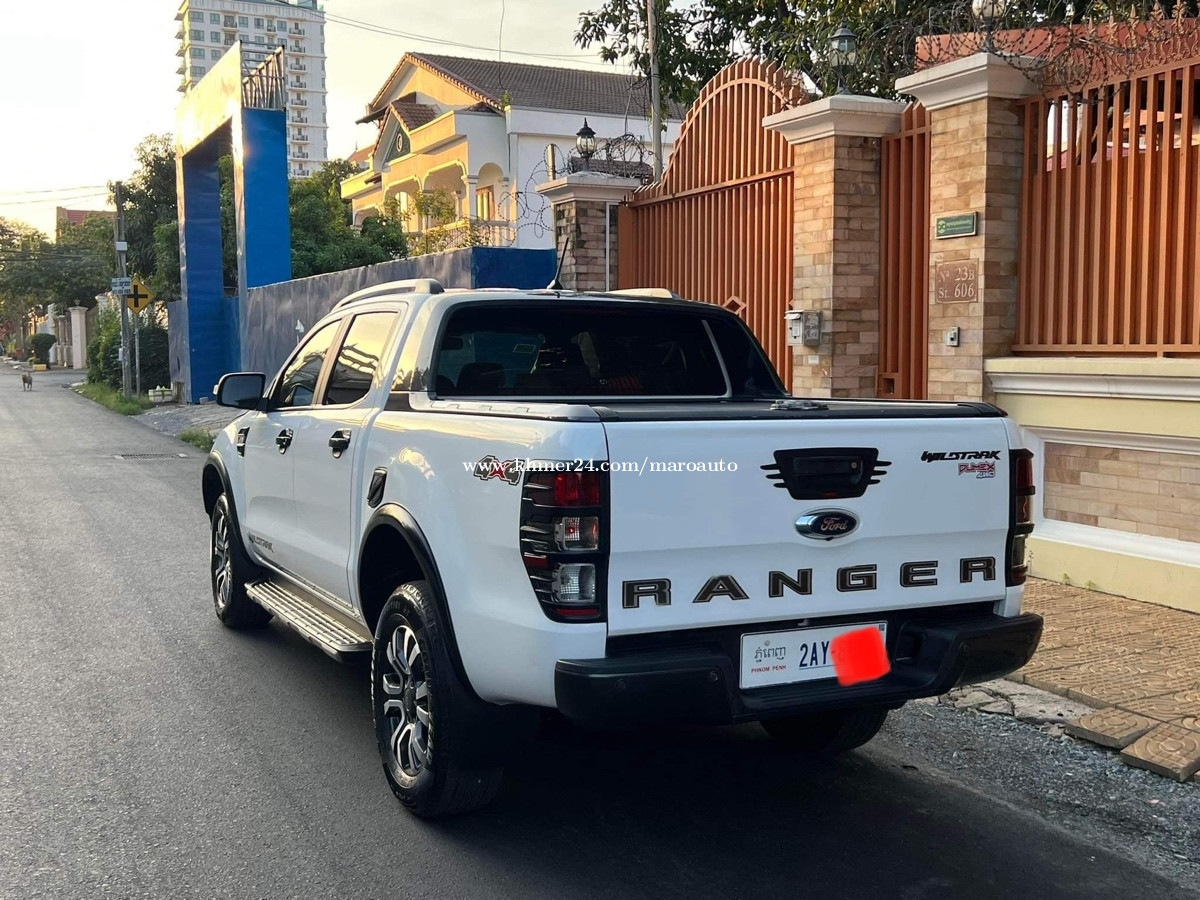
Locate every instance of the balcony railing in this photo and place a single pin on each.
(301, 154)
(299, 102)
(297, 83)
(298, 138)
(297, 66)
(299, 120)
(296, 29)
(463, 233)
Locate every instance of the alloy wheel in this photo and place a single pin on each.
(222, 562)
(406, 704)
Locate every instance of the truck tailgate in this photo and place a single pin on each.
(695, 548)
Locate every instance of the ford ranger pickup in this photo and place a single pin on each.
(606, 505)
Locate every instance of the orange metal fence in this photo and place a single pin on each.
(1110, 217)
(904, 259)
(718, 226)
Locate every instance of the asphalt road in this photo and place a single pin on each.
(146, 751)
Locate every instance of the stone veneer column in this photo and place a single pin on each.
(976, 160)
(836, 144)
(580, 204)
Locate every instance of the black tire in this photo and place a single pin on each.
(827, 733)
(230, 570)
(442, 748)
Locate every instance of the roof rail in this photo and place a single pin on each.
(660, 293)
(409, 286)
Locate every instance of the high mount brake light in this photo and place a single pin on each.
(564, 540)
(1020, 516)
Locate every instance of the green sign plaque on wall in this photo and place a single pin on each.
(963, 225)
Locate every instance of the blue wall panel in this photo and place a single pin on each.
(261, 198)
(204, 349)
(510, 267)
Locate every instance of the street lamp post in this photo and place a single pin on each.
(843, 53)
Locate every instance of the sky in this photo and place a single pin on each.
(83, 81)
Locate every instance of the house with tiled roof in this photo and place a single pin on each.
(489, 132)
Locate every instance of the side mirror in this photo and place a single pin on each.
(241, 390)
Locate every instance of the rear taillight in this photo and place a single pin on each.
(564, 536)
(1021, 516)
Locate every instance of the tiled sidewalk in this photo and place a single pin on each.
(1137, 663)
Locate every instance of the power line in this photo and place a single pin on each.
(393, 32)
(95, 188)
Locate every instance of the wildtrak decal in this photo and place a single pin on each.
(266, 545)
(949, 456)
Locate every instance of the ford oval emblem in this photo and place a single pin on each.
(827, 524)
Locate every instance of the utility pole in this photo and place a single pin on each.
(119, 229)
(655, 109)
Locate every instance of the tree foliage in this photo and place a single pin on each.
(82, 263)
(323, 236)
(22, 248)
(150, 205)
(697, 38)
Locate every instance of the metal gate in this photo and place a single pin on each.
(718, 226)
(904, 259)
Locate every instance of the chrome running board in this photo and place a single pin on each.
(334, 634)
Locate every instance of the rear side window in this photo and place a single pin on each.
(359, 358)
(577, 351)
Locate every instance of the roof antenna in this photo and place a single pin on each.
(556, 285)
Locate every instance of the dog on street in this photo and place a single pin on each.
(26, 381)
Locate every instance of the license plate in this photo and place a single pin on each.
(785, 657)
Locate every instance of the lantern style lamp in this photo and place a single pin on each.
(843, 54)
(585, 143)
(989, 12)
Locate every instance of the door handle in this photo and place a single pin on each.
(339, 441)
(283, 440)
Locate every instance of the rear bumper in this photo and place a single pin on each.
(699, 683)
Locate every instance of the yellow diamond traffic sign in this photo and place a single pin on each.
(140, 296)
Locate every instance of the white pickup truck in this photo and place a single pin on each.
(607, 505)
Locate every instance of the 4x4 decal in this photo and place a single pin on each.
(490, 467)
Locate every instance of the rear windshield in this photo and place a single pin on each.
(584, 351)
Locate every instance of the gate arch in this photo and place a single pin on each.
(718, 226)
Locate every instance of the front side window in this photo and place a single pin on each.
(197, 34)
(578, 351)
(196, 16)
(360, 357)
(214, 18)
(244, 21)
(214, 54)
(298, 384)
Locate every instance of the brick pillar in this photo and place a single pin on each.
(584, 210)
(976, 160)
(835, 144)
